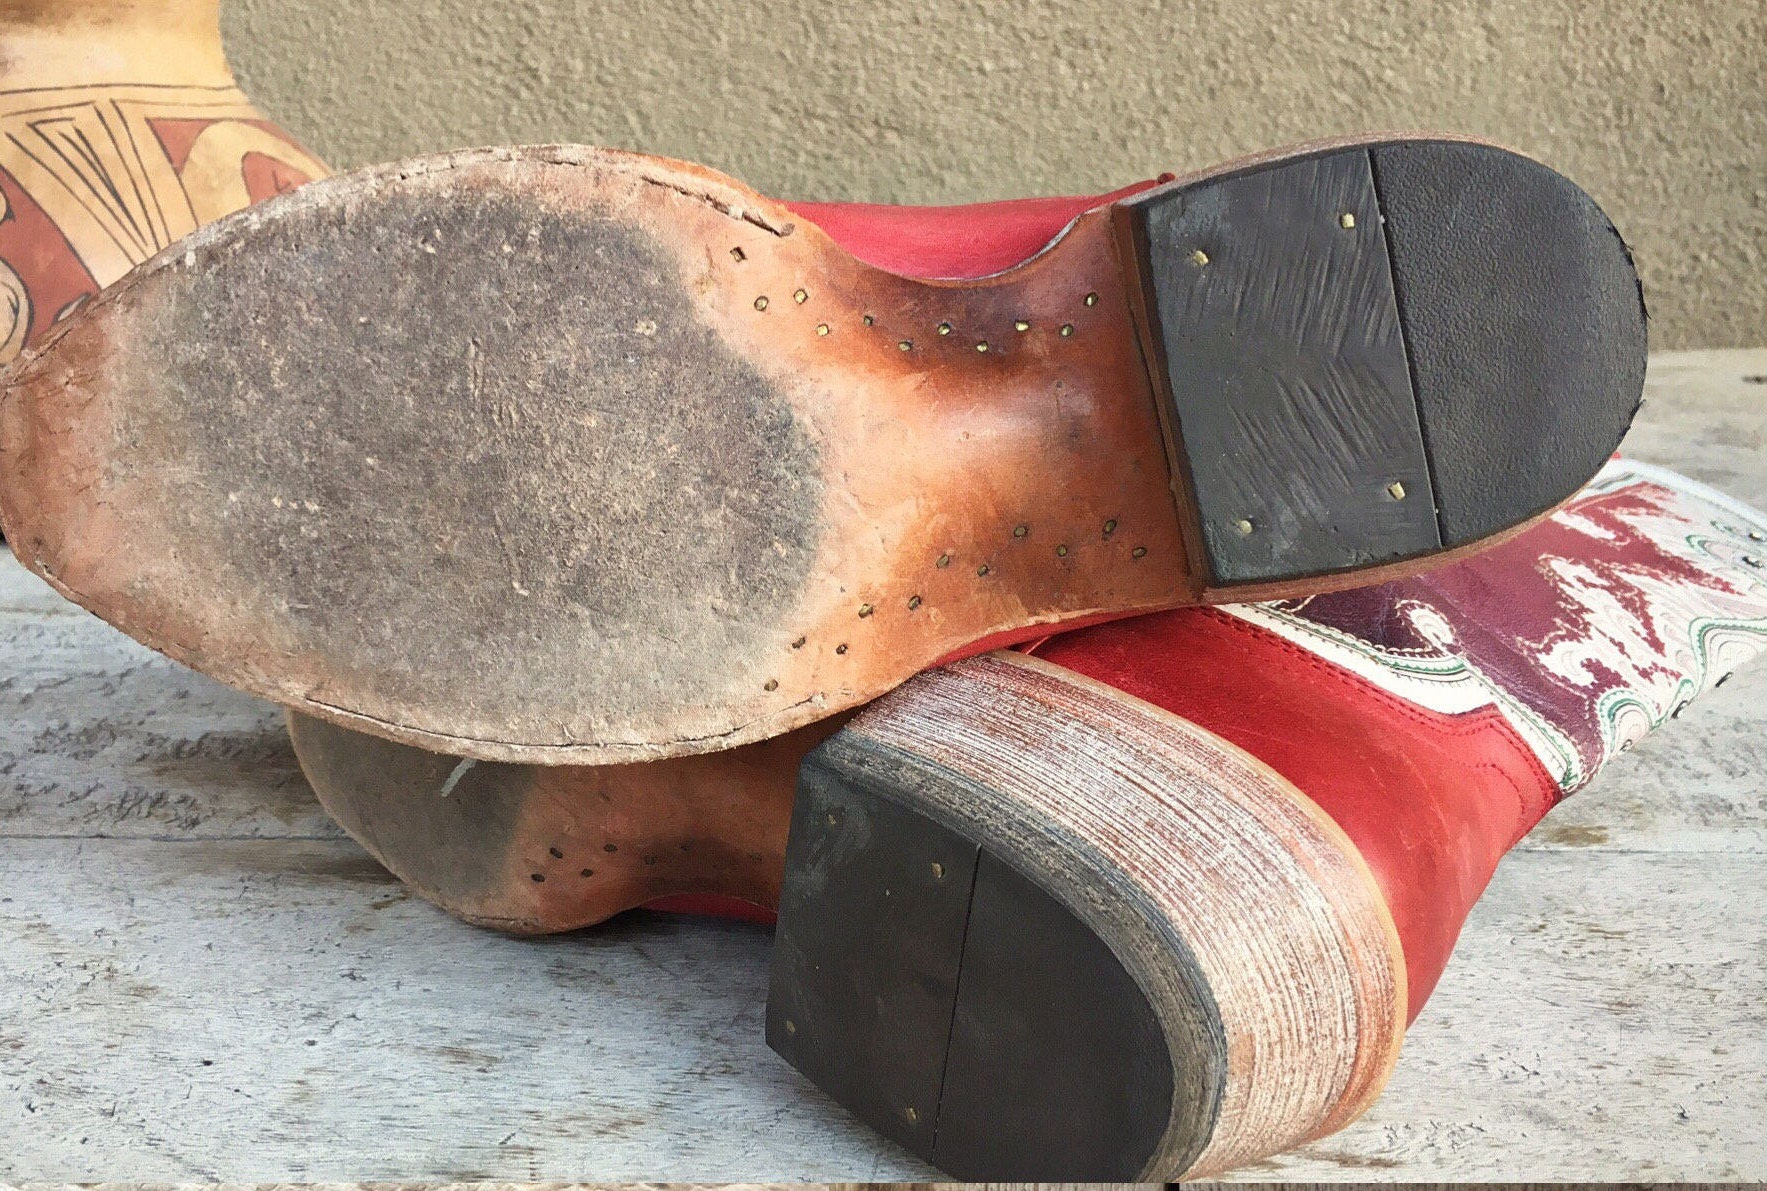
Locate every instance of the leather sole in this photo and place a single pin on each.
(537, 849)
(571, 456)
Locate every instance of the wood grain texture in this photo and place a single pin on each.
(1601, 1019)
(284, 1009)
(1211, 879)
(101, 738)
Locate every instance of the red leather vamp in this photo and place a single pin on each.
(973, 240)
(1432, 801)
(713, 905)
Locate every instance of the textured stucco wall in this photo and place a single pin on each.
(1658, 108)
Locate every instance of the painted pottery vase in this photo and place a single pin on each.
(121, 130)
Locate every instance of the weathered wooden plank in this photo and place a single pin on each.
(1605, 1017)
(1695, 785)
(101, 736)
(1705, 417)
(280, 1010)
(283, 1010)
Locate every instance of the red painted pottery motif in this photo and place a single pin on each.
(96, 179)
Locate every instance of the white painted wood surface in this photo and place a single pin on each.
(203, 979)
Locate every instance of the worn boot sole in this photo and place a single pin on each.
(535, 849)
(564, 455)
(1078, 940)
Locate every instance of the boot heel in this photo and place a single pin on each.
(1034, 929)
(1378, 351)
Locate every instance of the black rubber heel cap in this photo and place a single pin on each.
(1058, 1070)
(1525, 325)
(950, 1002)
(867, 953)
(1286, 366)
(1378, 352)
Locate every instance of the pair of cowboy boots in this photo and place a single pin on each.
(550, 457)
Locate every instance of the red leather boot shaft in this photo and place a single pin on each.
(1432, 801)
(1437, 718)
(973, 240)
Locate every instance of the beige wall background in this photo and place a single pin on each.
(1658, 109)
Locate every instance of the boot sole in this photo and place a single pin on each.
(572, 456)
(536, 849)
(1081, 940)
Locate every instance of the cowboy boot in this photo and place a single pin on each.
(567, 455)
(1197, 869)
(540, 848)
(1158, 897)
(123, 131)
